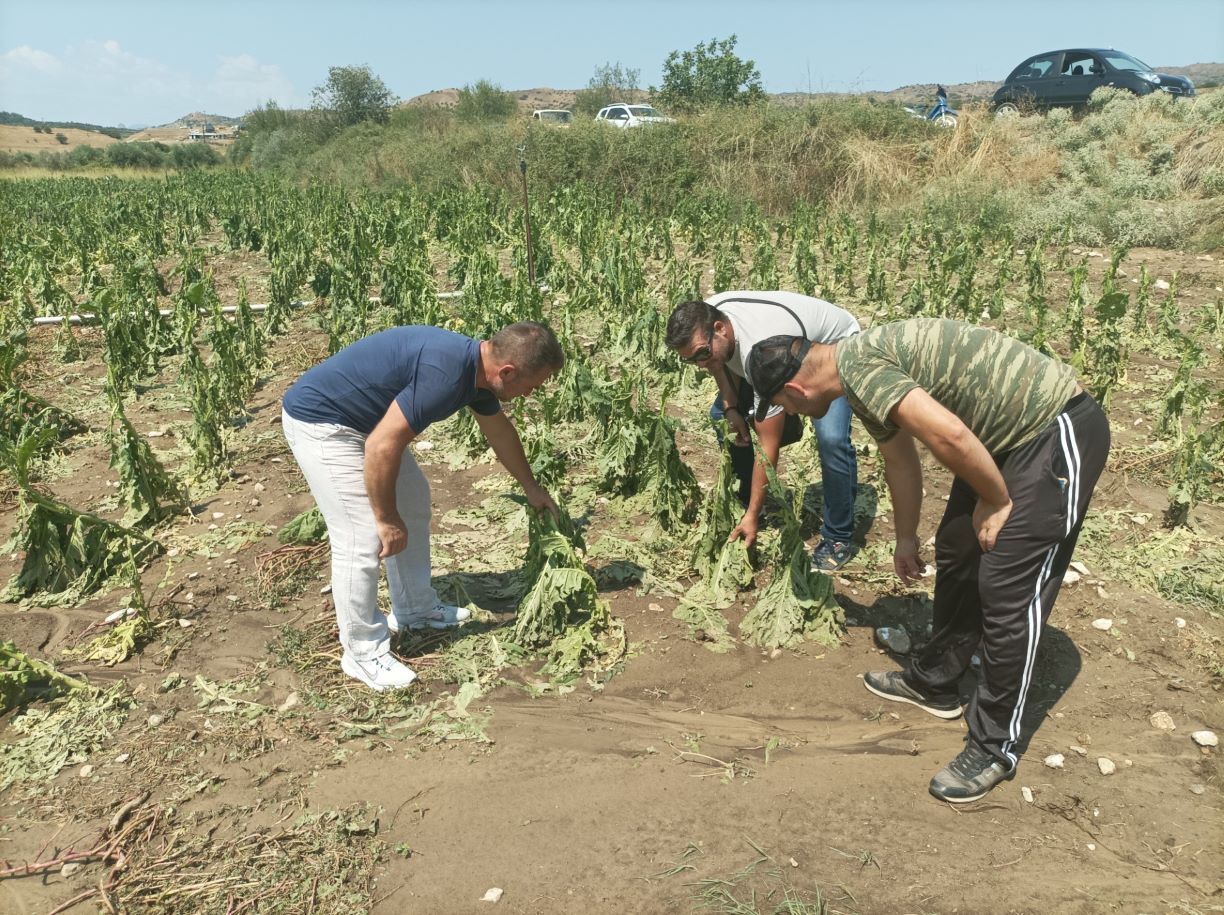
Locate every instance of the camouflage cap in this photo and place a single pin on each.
(772, 363)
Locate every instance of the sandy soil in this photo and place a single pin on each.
(24, 139)
(768, 773)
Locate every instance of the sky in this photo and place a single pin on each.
(140, 62)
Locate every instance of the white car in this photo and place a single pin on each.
(622, 115)
(558, 116)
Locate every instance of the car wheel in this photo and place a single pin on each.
(946, 120)
(1007, 110)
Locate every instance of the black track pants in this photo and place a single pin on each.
(1001, 599)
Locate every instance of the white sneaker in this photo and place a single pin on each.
(381, 673)
(443, 616)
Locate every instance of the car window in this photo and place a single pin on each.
(1120, 61)
(644, 111)
(618, 114)
(1036, 68)
(1077, 63)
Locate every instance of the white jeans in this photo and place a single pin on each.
(332, 458)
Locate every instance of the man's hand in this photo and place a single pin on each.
(393, 536)
(747, 528)
(906, 561)
(539, 499)
(988, 520)
(739, 426)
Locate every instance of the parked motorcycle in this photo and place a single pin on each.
(941, 112)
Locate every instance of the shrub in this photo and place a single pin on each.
(484, 101)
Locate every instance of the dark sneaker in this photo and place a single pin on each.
(891, 685)
(968, 777)
(829, 555)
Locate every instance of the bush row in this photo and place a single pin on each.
(118, 155)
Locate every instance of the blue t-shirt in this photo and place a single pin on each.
(429, 372)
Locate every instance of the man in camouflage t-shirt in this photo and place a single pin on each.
(1026, 445)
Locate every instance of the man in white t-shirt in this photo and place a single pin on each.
(717, 335)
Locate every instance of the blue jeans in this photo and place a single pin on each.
(838, 467)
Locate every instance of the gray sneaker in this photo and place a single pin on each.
(968, 777)
(891, 685)
(443, 616)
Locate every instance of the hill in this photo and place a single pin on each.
(545, 97)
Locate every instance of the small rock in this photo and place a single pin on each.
(212, 527)
(1071, 576)
(794, 863)
(1179, 622)
(122, 758)
(1102, 593)
(1197, 789)
(186, 623)
(1205, 738)
(492, 895)
(70, 868)
(1080, 567)
(1027, 793)
(654, 608)
(192, 576)
(775, 654)
(893, 638)
(217, 516)
(1091, 847)
(1103, 624)
(258, 487)
(189, 596)
(1054, 761)
(1162, 721)
(232, 598)
(120, 614)
(1075, 748)
(424, 446)
(326, 589)
(254, 503)
(1106, 765)
(86, 771)
(173, 551)
(290, 701)
(1161, 284)
(155, 721)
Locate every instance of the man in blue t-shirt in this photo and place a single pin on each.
(348, 422)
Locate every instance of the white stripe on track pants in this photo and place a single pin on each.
(1001, 600)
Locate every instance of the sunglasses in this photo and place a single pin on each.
(701, 353)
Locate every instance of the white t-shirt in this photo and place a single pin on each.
(757, 316)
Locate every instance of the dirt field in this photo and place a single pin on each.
(15, 139)
(689, 780)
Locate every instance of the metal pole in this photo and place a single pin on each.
(527, 215)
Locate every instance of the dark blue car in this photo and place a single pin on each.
(1065, 79)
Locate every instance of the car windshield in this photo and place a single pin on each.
(644, 111)
(1120, 61)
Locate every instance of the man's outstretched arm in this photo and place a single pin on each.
(384, 449)
(504, 439)
(957, 448)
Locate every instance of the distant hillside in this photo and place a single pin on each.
(197, 120)
(13, 119)
(529, 99)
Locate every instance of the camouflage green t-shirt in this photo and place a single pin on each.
(1003, 390)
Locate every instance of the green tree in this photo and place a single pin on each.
(485, 101)
(710, 74)
(352, 95)
(611, 83)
